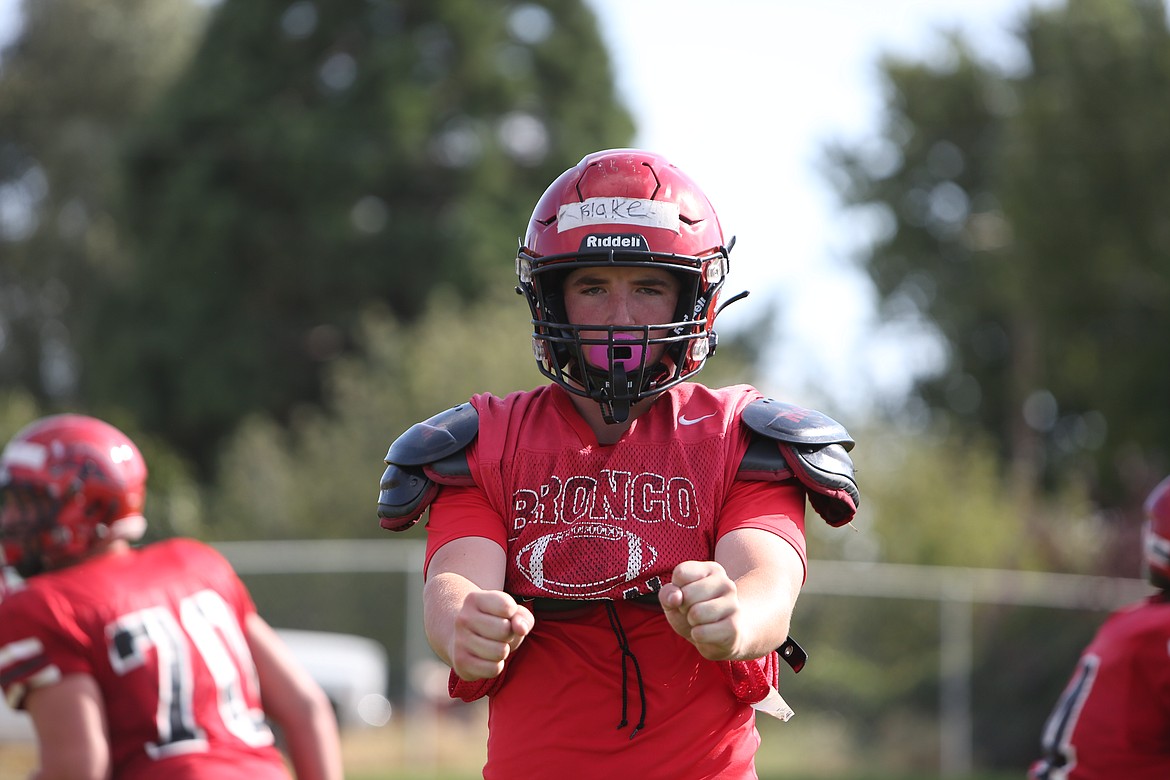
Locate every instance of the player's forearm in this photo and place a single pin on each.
(766, 605)
(310, 731)
(768, 573)
(314, 749)
(443, 596)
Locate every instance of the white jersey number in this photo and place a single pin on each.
(206, 627)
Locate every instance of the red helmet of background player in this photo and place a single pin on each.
(1156, 535)
(68, 482)
(629, 208)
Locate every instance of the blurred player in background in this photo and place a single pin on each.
(1113, 719)
(613, 558)
(137, 663)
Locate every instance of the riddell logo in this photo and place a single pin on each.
(615, 241)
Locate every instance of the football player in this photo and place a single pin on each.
(137, 662)
(1113, 719)
(613, 558)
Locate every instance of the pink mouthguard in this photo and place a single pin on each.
(628, 356)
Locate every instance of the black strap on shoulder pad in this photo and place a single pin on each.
(808, 445)
(429, 454)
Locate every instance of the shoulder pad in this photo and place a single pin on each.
(430, 453)
(794, 424)
(807, 445)
(436, 437)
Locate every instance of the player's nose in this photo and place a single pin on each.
(621, 310)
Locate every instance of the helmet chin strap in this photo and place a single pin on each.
(621, 358)
(615, 410)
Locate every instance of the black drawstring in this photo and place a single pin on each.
(618, 631)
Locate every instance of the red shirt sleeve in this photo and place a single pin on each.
(458, 512)
(776, 507)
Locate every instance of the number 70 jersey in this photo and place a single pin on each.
(161, 630)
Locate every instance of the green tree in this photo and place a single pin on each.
(942, 500)
(1025, 216)
(318, 476)
(71, 84)
(317, 158)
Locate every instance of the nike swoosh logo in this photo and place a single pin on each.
(684, 420)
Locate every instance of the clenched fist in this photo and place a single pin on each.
(701, 603)
(488, 628)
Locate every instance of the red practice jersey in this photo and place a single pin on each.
(160, 629)
(587, 522)
(1113, 720)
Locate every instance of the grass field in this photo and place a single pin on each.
(452, 748)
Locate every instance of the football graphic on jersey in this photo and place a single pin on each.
(585, 560)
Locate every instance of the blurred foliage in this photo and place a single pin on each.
(941, 499)
(1023, 657)
(318, 476)
(317, 158)
(873, 664)
(17, 409)
(70, 87)
(874, 674)
(1024, 215)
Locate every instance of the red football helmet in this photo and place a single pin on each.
(631, 208)
(1156, 535)
(67, 482)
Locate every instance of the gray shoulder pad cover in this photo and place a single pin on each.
(430, 454)
(808, 445)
